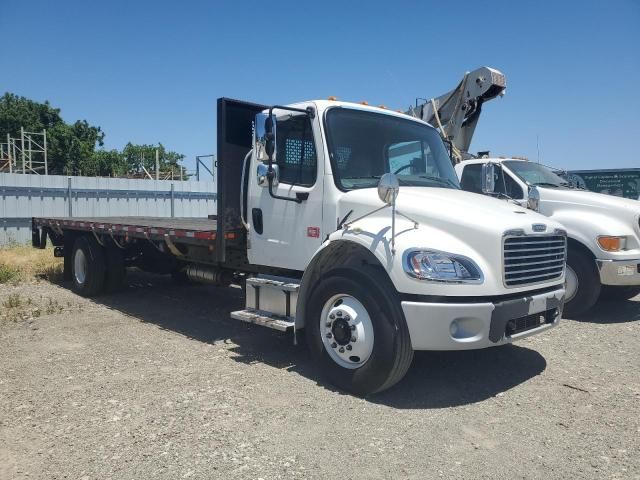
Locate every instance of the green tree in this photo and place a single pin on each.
(72, 147)
(137, 156)
(68, 145)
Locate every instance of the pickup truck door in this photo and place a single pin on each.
(285, 233)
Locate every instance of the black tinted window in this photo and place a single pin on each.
(507, 185)
(296, 151)
(471, 180)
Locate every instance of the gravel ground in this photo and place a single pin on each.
(158, 382)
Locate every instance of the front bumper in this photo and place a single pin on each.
(619, 272)
(467, 326)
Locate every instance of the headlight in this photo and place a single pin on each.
(612, 244)
(441, 267)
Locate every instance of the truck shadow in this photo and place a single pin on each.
(448, 379)
(435, 379)
(613, 311)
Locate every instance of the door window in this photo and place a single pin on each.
(471, 179)
(507, 185)
(296, 151)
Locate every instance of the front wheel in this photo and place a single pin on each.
(582, 283)
(356, 332)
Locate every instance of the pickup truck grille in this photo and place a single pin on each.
(533, 259)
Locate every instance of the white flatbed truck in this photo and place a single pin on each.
(345, 222)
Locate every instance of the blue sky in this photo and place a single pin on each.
(151, 71)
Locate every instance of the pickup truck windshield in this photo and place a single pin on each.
(363, 146)
(535, 174)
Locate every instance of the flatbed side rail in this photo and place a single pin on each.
(130, 231)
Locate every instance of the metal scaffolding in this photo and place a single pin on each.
(25, 154)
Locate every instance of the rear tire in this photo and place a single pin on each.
(586, 292)
(610, 292)
(88, 267)
(377, 320)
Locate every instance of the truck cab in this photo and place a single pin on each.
(417, 264)
(603, 231)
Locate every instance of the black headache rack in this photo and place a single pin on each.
(235, 139)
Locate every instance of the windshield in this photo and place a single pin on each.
(363, 146)
(535, 174)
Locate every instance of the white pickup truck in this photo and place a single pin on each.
(603, 231)
(348, 222)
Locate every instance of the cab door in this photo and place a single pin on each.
(285, 233)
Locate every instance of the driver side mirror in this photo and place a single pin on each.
(265, 137)
(488, 178)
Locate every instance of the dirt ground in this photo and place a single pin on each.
(158, 382)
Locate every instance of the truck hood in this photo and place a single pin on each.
(455, 211)
(582, 199)
(449, 220)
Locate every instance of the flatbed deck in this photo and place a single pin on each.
(156, 228)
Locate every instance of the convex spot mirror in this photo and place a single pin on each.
(262, 175)
(388, 188)
(488, 178)
(265, 137)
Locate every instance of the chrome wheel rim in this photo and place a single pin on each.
(570, 284)
(80, 267)
(346, 331)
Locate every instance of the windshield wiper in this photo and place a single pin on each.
(546, 184)
(365, 177)
(444, 181)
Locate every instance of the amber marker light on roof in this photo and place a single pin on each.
(364, 102)
(382, 107)
(332, 98)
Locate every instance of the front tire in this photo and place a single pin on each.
(582, 283)
(88, 267)
(356, 332)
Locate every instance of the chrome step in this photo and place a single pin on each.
(273, 282)
(265, 319)
(274, 295)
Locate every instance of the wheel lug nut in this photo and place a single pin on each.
(332, 316)
(334, 345)
(353, 327)
(328, 324)
(339, 313)
(329, 335)
(349, 347)
(353, 339)
(341, 349)
(347, 318)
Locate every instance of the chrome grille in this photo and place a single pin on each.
(530, 259)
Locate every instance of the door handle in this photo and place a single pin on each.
(256, 215)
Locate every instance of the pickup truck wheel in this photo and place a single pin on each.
(88, 267)
(610, 292)
(357, 334)
(582, 283)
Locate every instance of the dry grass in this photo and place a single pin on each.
(20, 263)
